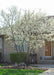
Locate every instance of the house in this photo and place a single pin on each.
(5, 48)
(44, 55)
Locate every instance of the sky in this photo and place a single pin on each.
(46, 6)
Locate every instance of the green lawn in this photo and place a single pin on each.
(19, 72)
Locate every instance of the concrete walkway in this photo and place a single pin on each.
(50, 68)
(48, 72)
(43, 65)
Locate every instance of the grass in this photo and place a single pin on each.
(19, 72)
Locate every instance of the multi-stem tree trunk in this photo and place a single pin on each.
(15, 46)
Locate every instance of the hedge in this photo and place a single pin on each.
(18, 57)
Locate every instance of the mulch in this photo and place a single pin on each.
(22, 67)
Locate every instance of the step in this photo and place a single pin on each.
(47, 57)
(46, 61)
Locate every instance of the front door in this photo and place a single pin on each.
(47, 48)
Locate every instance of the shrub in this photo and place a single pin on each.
(18, 57)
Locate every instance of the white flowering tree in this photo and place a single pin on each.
(27, 30)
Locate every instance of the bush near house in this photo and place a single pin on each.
(18, 57)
